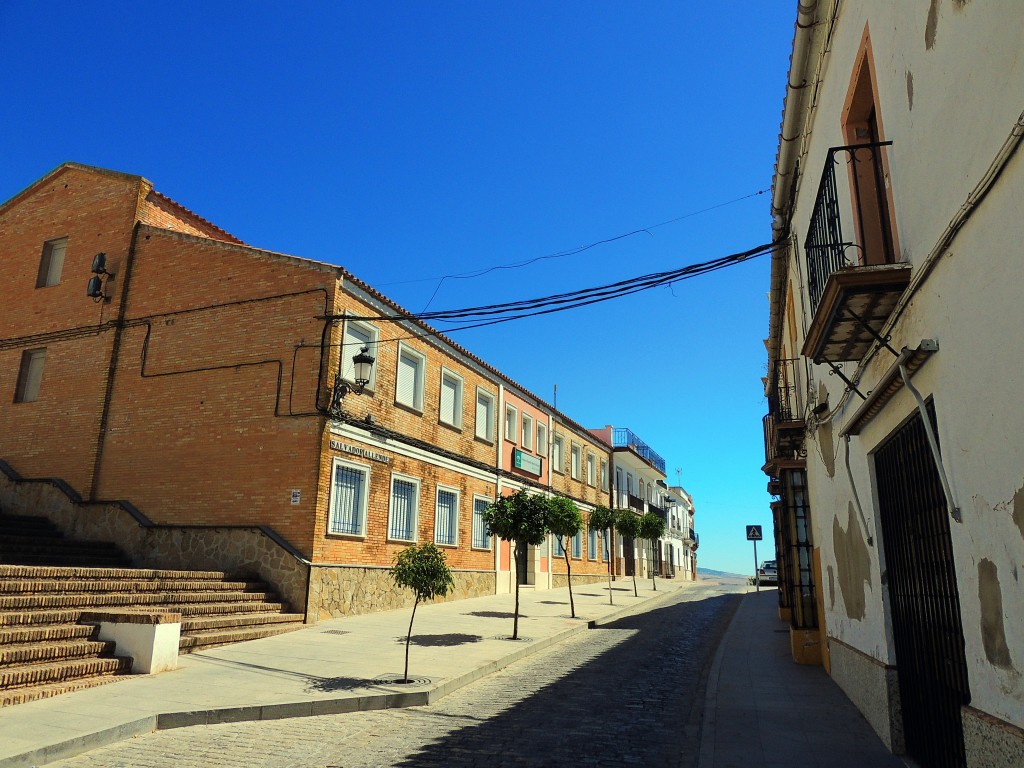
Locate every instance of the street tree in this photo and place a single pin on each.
(627, 525)
(521, 519)
(651, 529)
(425, 571)
(602, 520)
(565, 522)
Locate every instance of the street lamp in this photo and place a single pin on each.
(362, 362)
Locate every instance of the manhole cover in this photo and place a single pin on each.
(519, 639)
(335, 632)
(397, 679)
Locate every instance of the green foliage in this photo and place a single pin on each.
(627, 523)
(521, 517)
(601, 520)
(564, 518)
(651, 527)
(424, 570)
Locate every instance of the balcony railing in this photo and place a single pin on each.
(825, 245)
(625, 438)
(784, 399)
(635, 502)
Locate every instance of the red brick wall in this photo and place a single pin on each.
(583, 492)
(56, 435)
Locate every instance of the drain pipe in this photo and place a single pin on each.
(954, 510)
(856, 497)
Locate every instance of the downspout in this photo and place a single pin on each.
(951, 505)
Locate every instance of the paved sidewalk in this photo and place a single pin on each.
(762, 709)
(342, 665)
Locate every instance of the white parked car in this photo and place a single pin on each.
(768, 573)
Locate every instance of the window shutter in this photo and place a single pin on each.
(483, 416)
(356, 337)
(405, 390)
(449, 387)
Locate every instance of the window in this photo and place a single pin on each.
(451, 399)
(446, 517)
(409, 385)
(618, 485)
(591, 479)
(481, 538)
(592, 544)
(52, 262)
(577, 545)
(542, 440)
(511, 422)
(576, 460)
(558, 454)
(557, 548)
(527, 432)
(358, 335)
(604, 474)
(405, 500)
(485, 415)
(347, 504)
(30, 375)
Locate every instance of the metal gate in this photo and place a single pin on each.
(925, 604)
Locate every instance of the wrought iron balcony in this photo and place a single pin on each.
(635, 502)
(853, 284)
(625, 438)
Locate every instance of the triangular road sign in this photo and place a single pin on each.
(754, 533)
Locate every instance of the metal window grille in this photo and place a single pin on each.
(446, 519)
(481, 538)
(348, 497)
(403, 510)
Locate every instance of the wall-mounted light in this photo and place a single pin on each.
(94, 289)
(363, 363)
(820, 409)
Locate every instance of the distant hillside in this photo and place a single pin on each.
(713, 574)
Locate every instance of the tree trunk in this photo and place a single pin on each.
(409, 637)
(654, 584)
(568, 576)
(515, 621)
(610, 601)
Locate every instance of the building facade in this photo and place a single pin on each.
(152, 357)
(892, 440)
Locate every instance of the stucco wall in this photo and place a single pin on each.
(873, 687)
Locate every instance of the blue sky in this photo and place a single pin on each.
(409, 141)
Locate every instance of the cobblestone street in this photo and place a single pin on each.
(628, 693)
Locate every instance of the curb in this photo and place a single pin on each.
(167, 720)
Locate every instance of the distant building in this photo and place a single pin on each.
(894, 429)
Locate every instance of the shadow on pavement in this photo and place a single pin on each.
(441, 641)
(332, 684)
(495, 614)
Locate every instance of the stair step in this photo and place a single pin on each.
(125, 599)
(45, 632)
(39, 674)
(35, 653)
(46, 690)
(72, 572)
(208, 639)
(37, 618)
(66, 560)
(65, 586)
(15, 523)
(196, 624)
(223, 609)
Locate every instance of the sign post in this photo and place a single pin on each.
(754, 535)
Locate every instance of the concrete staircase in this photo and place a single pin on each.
(47, 582)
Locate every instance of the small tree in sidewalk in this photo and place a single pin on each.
(522, 519)
(651, 529)
(602, 520)
(627, 524)
(565, 522)
(425, 571)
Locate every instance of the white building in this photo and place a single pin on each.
(895, 433)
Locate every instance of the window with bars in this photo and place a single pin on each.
(405, 493)
(577, 545)
(358, 335)
(451, 399)
(52, 262)
(592, 544)
(446, 517)
(485, 415)
(347, 505)
(481, 539)
(30, 375)
(409, 383)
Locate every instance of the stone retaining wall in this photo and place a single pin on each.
(344, 590)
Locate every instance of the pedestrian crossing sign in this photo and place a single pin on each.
(754, 533)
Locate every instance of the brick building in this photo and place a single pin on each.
(196, 383)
